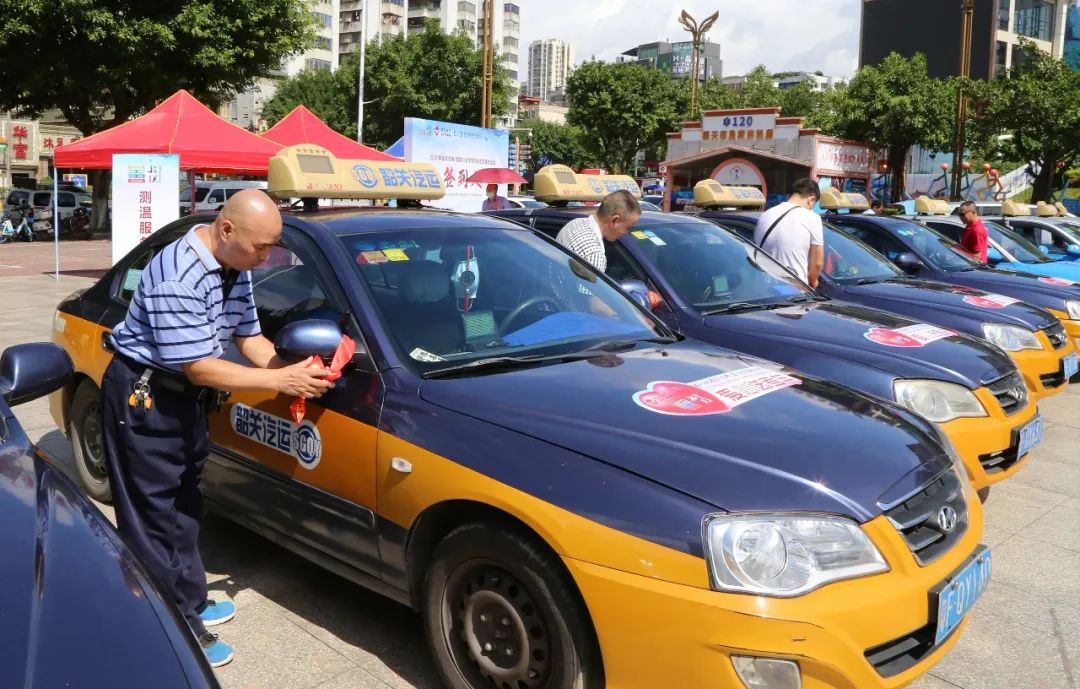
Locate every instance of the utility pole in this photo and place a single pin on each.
(968, 9)
(696, 32)
(488, 63)
(360, 72)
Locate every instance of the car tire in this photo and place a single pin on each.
(500, 611)
(88, 442)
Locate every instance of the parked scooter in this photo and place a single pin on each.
(77, 225)
(17, 225)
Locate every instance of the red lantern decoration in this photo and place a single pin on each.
(994, 172)
(944, 166)
(986, 167)
(966, 165)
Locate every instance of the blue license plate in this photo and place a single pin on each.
(1030, 436)
(1071, 366)
(960, 594)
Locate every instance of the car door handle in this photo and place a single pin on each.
(106, 342)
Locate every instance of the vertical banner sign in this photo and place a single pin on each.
(457, 151)
(145, 198)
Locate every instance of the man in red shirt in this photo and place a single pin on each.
(974, 239)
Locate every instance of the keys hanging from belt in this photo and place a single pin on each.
(140, 395)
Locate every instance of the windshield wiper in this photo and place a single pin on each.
(803, 298)
(736, 307)
(510, 362)
(869, 281)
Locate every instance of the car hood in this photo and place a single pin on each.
(812, 446)
(77, 610)
(948, 299)
(1024, 286)
(844, 330)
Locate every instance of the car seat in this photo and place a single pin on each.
(428, 317)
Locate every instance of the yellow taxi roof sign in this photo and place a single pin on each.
(708, 193)
(1012, 208)
(924, 205)
(1046, 210)
(1062, 210)
(559, 183)
(306, 170)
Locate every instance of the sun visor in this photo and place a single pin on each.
(709, 193)
(312, 171)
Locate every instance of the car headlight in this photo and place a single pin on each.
(937, 400)
(1010, 338)
(786, 555)
(1073, 307)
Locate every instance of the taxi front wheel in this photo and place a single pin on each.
(88, 441)
(501, 612)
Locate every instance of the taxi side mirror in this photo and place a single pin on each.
(908, 262)
(1045, 249)
(638, 291)
(303, 339)
(30, 371)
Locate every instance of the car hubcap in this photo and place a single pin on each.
(498, 627)
(93, 442)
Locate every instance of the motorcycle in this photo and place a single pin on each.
(42, 225)
(17, 225)
(77, 224)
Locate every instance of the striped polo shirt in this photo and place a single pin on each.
(179, 313)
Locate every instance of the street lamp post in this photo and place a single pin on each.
(360, 71)
(488, 63)
(696, 32)
(968, 10)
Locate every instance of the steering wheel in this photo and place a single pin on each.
(504, 327)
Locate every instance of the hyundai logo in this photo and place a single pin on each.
(946, 519)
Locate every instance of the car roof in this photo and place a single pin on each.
(357, 220)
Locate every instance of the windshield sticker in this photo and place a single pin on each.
(906, 233)
(371, 257)
(655, 240)
(384, 244)
(301, 441)
(918, 335)
(131, 279)
(990, 301)
(395, 255)
(1060, 282)
(424, 355)
(639, 234)
(714, 395)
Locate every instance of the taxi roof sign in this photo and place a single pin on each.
(833, 199)
(1012, 208)
(1062, 210)
(924, 205)
(1046, 210)
(559, 183)
(306, 170)
(708, 193)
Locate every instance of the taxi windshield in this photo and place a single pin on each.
(939, 250)
(1021, 249)
(1071, 228)
(847, 260)
(710, 268)
(457, 295)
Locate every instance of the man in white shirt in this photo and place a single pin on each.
(618, 212)
(792, 233)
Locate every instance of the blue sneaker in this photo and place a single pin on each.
(217, 651)
(217, 613)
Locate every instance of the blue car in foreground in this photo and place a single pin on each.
(76, 608)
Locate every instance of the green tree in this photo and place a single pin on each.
(801, 100)
(323, 92)
(759, 90)
(1038, 108)
(894, 106)
(560, 142)
(716, 95)
(622, 109)
(101, 63)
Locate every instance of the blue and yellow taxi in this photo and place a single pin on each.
(1050, 227)
(570, 494)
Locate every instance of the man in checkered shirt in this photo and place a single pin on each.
(618, 212)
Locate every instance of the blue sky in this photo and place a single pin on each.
(781, 34)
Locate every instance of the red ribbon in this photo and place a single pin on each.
(344, 354)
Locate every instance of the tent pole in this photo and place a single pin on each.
(56, 218)
(191, 189)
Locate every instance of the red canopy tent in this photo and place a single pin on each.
(181, 125)
(301, 126)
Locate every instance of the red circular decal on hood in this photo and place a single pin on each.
(985, 303)
(667, 397)
(1057, 281)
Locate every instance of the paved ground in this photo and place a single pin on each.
(302, 628)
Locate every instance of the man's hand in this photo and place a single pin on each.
(303, 380)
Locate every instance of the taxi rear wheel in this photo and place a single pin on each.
(501, 613)
(88, 442)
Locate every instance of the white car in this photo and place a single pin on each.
(211, 196)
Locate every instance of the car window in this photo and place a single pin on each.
(1071, 228)
(17, 198)
(742, 228)
(710, 268)
(1015, 244)
(289, 287)
(216, 196)
(129, 278)
(953, 232)
(67, 200)
(549, 226)
(200, 194)
(620, 266)
(878, 241)
(43, 198)
(459, 295)
(849, 260)
(940, 251)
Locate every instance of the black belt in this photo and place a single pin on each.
(176, 382)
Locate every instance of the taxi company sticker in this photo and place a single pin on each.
(918, 335)
(424, 355)
(655, 240)
(395, 255)
(639, 234)
(990, 301)
(302, 442)
(1057, 281)
(714, 395)
(367, 257)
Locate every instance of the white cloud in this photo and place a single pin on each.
(781, 34)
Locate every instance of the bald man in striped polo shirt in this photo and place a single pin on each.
(194, 297)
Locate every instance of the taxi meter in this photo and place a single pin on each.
(833, 199)
(708, 193)
(307, 171)
(559, 183)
